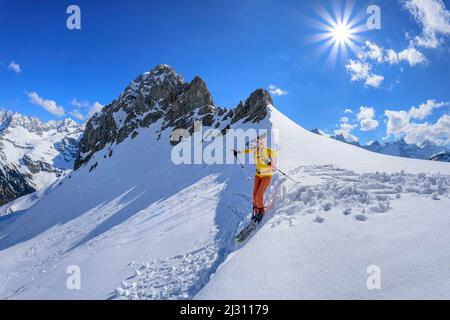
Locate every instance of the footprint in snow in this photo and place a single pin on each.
(361, 217)
(347, 211)
(327, 206)
(319, 219)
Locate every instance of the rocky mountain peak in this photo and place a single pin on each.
(375, 144)
(162, 94)
(157, 83)
(162, 69)
(254, 108)
(259, 99)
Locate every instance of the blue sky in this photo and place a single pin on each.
(237, 47)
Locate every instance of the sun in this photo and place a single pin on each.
(341, 33)
(339, 30)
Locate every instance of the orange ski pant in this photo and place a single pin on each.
(259, 188)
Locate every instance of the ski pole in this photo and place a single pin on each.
(284, 174)
(242, 166)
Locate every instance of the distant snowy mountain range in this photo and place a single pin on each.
(33, 154)
(399, 148)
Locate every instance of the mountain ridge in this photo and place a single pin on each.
(163, 95)
(399, 148)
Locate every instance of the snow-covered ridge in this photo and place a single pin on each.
(10, 119)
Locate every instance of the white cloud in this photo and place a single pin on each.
(362, 71)
(77, 114)
(374, 80)
(370, 53)
(438, 132)
(397, 121)
(366, 119)
(79, 104)
(345, 128)
(90, 108)
(412, 56)
(399, 124)
(344, 120)
(391, 57)
(13, 66)
(426, 109)
(276, 91)
(348, 111)
(48, 105)
(433, 17)
(96, 107)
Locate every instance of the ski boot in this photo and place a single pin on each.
(258, 215)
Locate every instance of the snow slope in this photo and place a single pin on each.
(340, 219)
(135, 206)
(140, 227)
(325, 235)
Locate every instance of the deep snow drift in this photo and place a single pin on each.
(140, 227)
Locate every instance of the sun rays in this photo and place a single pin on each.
(339, 30)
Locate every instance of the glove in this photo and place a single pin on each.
(235, 153)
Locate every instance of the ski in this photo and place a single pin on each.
(246, 231)
(252, 226)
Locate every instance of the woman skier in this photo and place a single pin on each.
(265, 165)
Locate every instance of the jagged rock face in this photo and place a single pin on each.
(254, 109)
(36, 166)
(13, 184)
(162, 95)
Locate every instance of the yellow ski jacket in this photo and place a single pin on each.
(264, 160)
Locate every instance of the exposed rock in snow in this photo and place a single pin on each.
(442, 156)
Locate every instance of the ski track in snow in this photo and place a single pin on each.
(182, 276)
(178, 277)
(331, 190)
